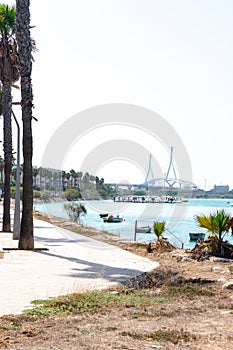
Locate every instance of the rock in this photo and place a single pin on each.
(216, 268)
(228, 285)
(222, 280)
(224, 260)
(185, 258)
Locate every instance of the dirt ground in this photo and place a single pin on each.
(200, 316)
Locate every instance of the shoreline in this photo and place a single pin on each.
(88, 231)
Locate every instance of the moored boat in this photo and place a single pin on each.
(143, 229)
(194, 236)
(103, 215)
(111, 218)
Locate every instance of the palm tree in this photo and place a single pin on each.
(1, 167)
(35, 172)
(8, 74)
(79, 176)
(24, 42)
(73, 177)
(159, 229)
(218, 224)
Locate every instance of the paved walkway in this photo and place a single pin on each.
(72, 263)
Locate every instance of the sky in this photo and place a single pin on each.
(173, 57)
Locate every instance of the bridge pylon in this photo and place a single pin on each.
(169, 180)
(149, 172)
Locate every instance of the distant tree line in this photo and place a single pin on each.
(71, 185)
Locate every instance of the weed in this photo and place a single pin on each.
(173, 336)
(158, 313)
(93, 302)
(132, 335)
(8, 328)
(189, 291)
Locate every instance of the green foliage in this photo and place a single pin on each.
(139, 193)
(13, 191)
(75, 211)
(218, 223)
(159, 228)
(93, 302)
(103, 193)
(36, 194)
(7, 18)
(71, 194)
(45, 196)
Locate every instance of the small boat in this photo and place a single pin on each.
(111, 218)
(143, 229)
(103, 215)
(194, 236)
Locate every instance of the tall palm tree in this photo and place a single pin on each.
(24, 42)
(8, 74)
(35, 172)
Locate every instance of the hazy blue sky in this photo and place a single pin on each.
(174, 57)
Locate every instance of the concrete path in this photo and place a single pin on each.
(72, 263)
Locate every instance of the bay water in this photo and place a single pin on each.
(179, 218)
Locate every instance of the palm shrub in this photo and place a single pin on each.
(75, 211)
(217, 224)
(159, 228)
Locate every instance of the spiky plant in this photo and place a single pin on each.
(218, 223)
(159, 228)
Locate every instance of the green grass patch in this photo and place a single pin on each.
(189, 290)
(157, 313)
(172, 336)
(133, 335)
(93, 302)
(8, 328)
(97, 301)
(9, 322)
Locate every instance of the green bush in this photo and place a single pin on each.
(75, 211)
(71, 194)
(13, 190)
(46, 196)
(36, 194)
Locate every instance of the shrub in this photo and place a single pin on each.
(36, 194)
(45, 196)
(71, 194)
(75, 211)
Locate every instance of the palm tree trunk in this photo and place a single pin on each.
(26, 240)
(6, 104)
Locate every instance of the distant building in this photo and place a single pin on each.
(198, 192)
(220, 189)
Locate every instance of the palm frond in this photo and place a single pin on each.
(159, 228)
(217, 223)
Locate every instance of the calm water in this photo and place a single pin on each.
(180, 218)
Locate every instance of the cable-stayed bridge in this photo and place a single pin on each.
(170, 179)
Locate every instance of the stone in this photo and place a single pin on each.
(228, 285)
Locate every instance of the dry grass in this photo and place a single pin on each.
(182, 305)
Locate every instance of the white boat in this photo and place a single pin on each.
(150, 199)
(143, 229)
